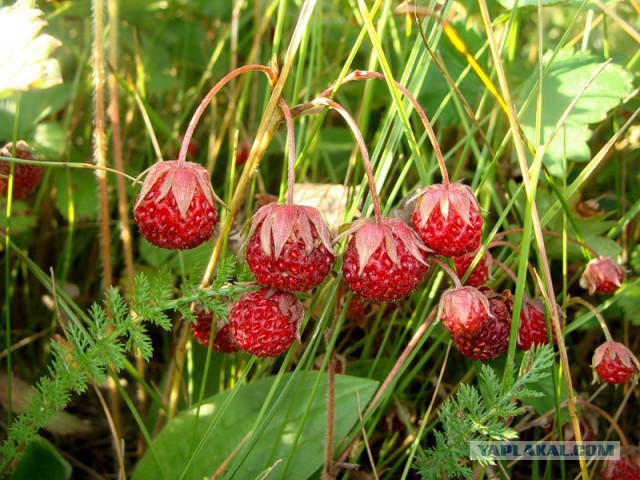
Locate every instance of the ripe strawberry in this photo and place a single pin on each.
(176, 207)
(289, 247)
(480, 274)
(601, 275)
(383, 262)
(463, 310)
(627, 468)
(614, 363)
(491, 339)
(447, 218)
(265, 322)
(533, 327)
(25, 176)
(222, 341)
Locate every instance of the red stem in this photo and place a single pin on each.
(450, 272)
(363, 150)
(365, 75)
(291, 142)
(596, 313)
(207, 99)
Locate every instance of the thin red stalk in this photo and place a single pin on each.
(291, 142)
(357, 75)
(363, 150)
(584, 303)
(450, 272)
(207, 99)
(507, 270)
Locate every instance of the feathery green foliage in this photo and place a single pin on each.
(479, 415)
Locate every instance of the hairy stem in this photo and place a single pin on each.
(209, 96)
(363, 149)
(596, 313)
(365, 75)
(449, 271)
(291, 142)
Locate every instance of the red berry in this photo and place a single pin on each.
(25, 176)
(533, 327)
(481, 272)
(614, 363)
(601, 275)
(448, 220)
(491, 339)
(383, 262)
(176, 207)
(463, 310)
(627, 468)
(222, 341)
(265, 322)
(289, 247)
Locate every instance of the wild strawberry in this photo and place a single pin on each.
(176, 207)
(627, 468)
(289, 247)
(481, 272)
(492, 338)
(222, 340)
(447, 218)
(383, 262)
(463, 310)
(265, 322)
(601, 275)
(533, 326)
(25, 176)
(614, 363)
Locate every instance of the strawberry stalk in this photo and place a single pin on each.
(291, 143)
(363, 149)
(186, 140)
(449, 271)
(596, 313)
(357, 75)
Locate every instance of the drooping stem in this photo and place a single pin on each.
(365, 75)
(207, 99)
(596, 313)
(450, 272)
(291, 142)
(363, 149)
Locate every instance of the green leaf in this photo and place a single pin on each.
(83, 189)
(302, 411)
(42, 461)
(629, 301)
(49, 139)
(564, 80)
(25, 54)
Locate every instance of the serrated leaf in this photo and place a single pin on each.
(566, 77)
(302, 410)
(629, 301)
(24, 52)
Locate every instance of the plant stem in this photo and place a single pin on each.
(596, 313)
(291, 142)
(209, 96)
(363, 149)
(357, 75)
(450, 272)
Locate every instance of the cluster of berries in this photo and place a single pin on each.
(289, 250)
